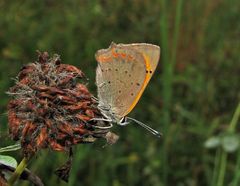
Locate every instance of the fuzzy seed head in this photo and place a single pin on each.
(51, 108)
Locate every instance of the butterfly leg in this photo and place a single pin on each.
(103, 127)
(101, 119)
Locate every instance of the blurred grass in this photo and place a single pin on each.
(192, 96)
(168, 73)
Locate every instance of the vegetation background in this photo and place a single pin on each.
(193, 98)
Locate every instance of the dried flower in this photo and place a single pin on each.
(3, 181)
(50, 108)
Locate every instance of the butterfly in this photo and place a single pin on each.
(123, 72)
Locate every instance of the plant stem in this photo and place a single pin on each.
(235, 118)
(222, 169)
(176, 31)
(224, 155)
(166, 87)
(168, 74)
(20, 168)
(237, 172)
(216, 167)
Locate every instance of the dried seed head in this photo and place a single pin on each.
(3, 181)
(111, 138)
(49, 108)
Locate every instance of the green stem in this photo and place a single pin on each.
(166, 66)
(237, 172)
(176, 31)
(168, 74)
(216, 167)
(20, 168)
(224, 155)
(222, 168)
(235, 118)
(166, 86)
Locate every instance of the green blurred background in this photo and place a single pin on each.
(193, 98)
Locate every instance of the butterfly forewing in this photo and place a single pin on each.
(122, 74)
(150, 52)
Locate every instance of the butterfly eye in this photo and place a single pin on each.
(123, 120)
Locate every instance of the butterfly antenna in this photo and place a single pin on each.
(154, 132)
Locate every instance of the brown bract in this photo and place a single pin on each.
(3, 181)
(50, 108)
